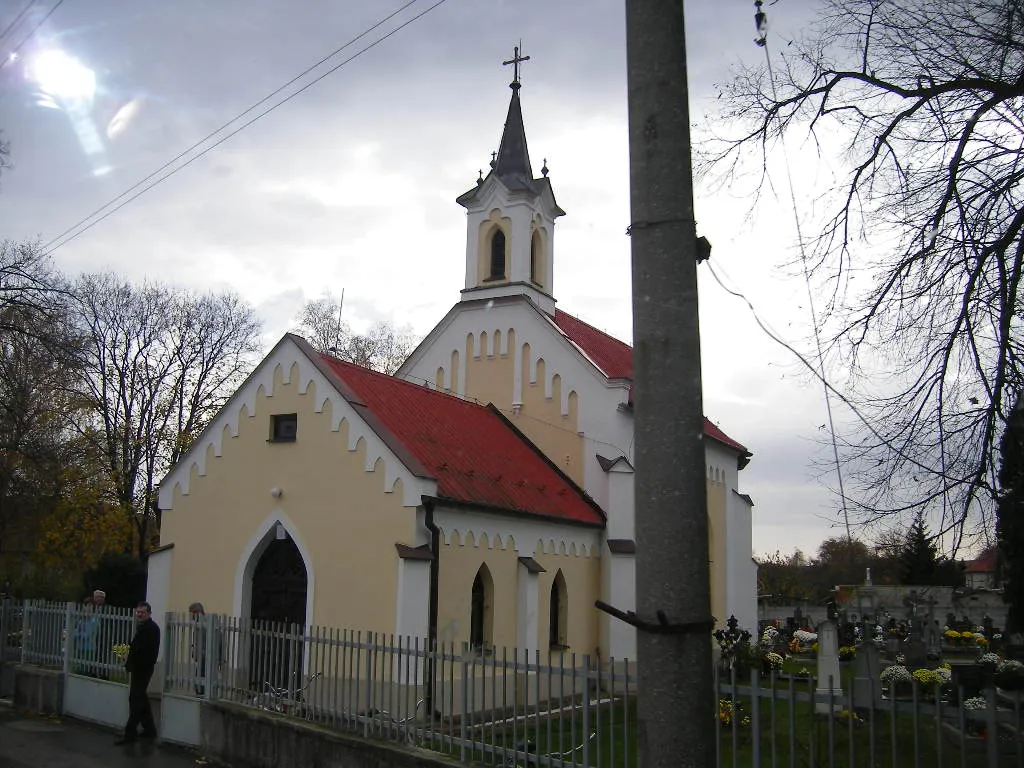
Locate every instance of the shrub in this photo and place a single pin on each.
(847, 653)
(1010, 675)
(895, 674)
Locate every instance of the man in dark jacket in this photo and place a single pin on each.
(142, 653)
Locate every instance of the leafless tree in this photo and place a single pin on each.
(924, 102)
(29, 288)
(159, 364)
(382, 348)
(5, 155)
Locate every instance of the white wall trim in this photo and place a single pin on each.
(251, 553)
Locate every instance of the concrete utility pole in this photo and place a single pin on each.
(675, 688)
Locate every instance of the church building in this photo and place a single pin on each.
(482, 495)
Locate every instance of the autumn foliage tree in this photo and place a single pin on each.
(158, 364)
(918, 107)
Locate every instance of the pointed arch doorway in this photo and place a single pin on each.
(277, 609)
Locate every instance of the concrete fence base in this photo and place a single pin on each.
(39, 690)
(253, 739)
(240, 736)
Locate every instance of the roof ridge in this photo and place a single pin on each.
(426, 386)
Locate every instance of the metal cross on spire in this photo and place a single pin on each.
(515, 61)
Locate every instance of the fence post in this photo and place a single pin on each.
(464, 696)
(68, 643)
(5, 620)
(169, 648)
(586, 710)
(24, 629)
(211, 655)
(368, 709)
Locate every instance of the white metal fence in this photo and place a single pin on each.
(498, 707)
(79, 639)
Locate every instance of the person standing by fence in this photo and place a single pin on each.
(200, 628)
(84, 636)
(142, 653)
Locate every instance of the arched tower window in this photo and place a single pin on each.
(481, 617)
(558, 610)
(537, 259)
(497, 255)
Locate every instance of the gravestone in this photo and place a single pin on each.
(866, 682)
(915, 652)
(933, 640)
(892, 647)
(828, 668)
(971, 677)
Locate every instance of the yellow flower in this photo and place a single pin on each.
(121, 652)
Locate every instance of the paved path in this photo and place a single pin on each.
(33, 741)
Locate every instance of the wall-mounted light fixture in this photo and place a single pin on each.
(276, 492)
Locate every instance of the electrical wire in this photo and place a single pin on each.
(13, 54)
(774, 336)
(66, 236)
(17, 19)
(237, 117)
(762, 41)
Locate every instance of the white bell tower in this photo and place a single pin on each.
(510, 230)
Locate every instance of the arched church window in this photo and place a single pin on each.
(558, 613)
(536, 259)
(481, 619)
(497, 255)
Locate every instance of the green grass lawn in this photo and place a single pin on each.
(794, 733)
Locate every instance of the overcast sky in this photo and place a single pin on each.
(352, 184)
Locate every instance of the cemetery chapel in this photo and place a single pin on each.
(482, 495)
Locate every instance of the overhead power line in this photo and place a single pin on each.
(17, 19)
(91, 220)
(26, 38)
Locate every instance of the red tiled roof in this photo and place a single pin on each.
(615, 358)
(475, 455)
(612, 356)
(986, 563)
(712, 431)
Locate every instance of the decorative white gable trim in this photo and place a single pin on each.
(526, 536)
(287, 356)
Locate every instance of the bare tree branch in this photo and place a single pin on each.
(924, 103)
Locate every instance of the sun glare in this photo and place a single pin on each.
(62, 76)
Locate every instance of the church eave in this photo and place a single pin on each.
(520, 513)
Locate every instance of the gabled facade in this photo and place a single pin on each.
(375, 491)
(483, 495)
(565, 384)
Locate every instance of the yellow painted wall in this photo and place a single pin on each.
(460, 563)
(344, 517)
(583, 586)
(489, 379)
(458, 568)
(493, 222)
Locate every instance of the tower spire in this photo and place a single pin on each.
(513, 162)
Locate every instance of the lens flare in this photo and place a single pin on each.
(62, 76)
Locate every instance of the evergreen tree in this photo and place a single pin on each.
(1010, 516)
(918, 557)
